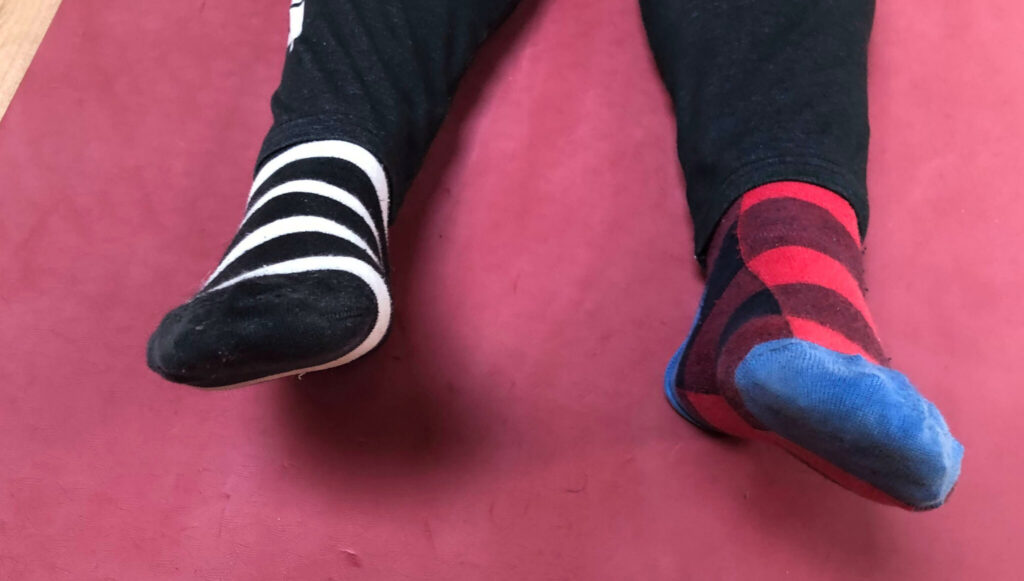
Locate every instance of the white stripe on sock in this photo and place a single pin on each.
(292, 225)
(350, 152)
(319, 188)
(367, 273)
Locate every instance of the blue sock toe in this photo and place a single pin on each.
(864, 418)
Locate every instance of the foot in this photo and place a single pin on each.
(303, 285)
(784, 350)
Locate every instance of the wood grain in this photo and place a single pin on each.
(23, 24)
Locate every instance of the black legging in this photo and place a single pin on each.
(764, 90)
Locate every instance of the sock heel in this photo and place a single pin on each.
(670, 393)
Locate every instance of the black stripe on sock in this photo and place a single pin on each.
(336, 172)
(726, 265)
(760, 304)
(291, 247)
(302, 204)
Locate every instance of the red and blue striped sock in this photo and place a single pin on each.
(784, 349)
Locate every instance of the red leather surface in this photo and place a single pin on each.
(513, 426)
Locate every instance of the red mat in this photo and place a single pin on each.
(513, 426)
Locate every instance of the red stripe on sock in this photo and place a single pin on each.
(825, 337)
(716, 410)
(798, 264)
(819, 196)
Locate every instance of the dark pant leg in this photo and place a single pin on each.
(765, 91)
(378, 73)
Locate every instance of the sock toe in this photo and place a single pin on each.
(263, 327)
(863, 418)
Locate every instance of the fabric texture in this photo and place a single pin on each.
(379, 73)
(784, 349)
(542, 274)
(765, 92)
(764, 95)
(303, 285)
(379, 77)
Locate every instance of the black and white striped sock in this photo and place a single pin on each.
(303, 285)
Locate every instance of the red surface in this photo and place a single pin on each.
(513, 426)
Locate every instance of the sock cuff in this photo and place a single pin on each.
(711, 201)
(836, 205)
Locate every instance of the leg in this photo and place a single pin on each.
(771, 102)
(303, 286)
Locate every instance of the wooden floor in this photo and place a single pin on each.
(23, 24)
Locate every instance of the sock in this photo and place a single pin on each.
(784, 349)
(303, 285)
